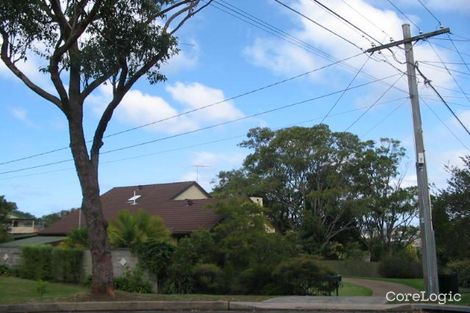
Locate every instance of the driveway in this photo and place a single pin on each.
(380, 288)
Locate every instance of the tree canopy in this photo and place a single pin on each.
(326, 186)
(81, 45)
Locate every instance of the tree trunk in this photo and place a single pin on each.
(87, 171)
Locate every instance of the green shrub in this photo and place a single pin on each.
(353, 267)
(41, 287)
(207, 278)
(154, 256)
(4, 270)
(36, 262)
(48, 263)
(254, 280)
(400, 266)
(133, 281)
(462, 268)
(301, 275)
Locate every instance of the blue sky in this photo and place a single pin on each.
(222, 57)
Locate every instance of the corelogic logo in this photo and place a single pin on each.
(440, 298)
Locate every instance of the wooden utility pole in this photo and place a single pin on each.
(428, 245)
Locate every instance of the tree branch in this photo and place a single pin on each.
(18, 73)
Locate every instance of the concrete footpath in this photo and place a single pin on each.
(221, 306)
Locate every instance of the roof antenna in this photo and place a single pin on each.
(133, 200)
(198, 166)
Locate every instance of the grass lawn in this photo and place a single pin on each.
(351, 290)
(17, 290)
(416, 283)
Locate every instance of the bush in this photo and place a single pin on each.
(133, 281)
(254, 280)
(301, 275)
(48, 263)
(400, 266)
(207, 278)
(462, 268)
(4, 270)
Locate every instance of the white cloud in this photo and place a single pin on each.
(139, 108)
(186, 59)
(196, 95)
(269, 54)
(22, 115)
(281, 57)
(460, 6)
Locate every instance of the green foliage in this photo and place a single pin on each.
(199, 247)
(6, 208)
(4, 270)
(301, 275)
(49, 219)
(77, 238)
(48, 263)
(353, 268)
(400, 266)
(451, 215)
(207, 278)
(462, 268)
(133, 281)
(329, 187)
(41, 287)
(155, 256)
(130, 230)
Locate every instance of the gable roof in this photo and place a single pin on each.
(179, 216)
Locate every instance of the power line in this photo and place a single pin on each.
(404, 15)
(210, 126)
(344, 92)
(429, 11)
(382, 120)
(445, 125)
(459, 53)
(367, 19)
(428, 82)
(444, 67)
(194, 145)
(319, 25)
(280, 82)
(345, 20)
(449, 72)
(373, 104)
(252, 20)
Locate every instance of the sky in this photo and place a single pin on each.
(251, 64)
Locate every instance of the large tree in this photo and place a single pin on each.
(84, 44)
(306, 177)
(389, 220)
(451, 214)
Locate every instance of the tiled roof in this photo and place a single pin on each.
(179, 216)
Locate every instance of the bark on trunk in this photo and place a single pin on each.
(87, 171)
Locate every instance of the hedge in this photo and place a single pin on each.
(49, 263)
(353, 268)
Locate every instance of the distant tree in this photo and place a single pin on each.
(130, 230)
(451, 214)
(6, 208)
(306, 177)
(49, 219)
(389, 221)
(82, 45)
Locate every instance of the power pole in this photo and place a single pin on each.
(428, 244)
